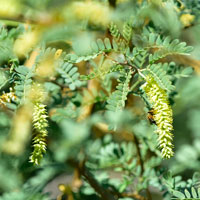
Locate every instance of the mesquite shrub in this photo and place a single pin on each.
(99, 99)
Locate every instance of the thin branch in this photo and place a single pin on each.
(141, 162)
(105, 194)
(135, 85)
(134, 195)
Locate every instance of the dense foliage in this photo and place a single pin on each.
(99, 99)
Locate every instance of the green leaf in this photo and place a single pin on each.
(187, 71)
(70, 75)
(100, 44)
(178, 194)
(194, 194)
(187, 194)
(164, 47)
(95, 47)
(127, 31)
(107, 43)
(116, 101)
(161, 77)
(198, 191)
(3, 79)
(23, 81)
(123, 187)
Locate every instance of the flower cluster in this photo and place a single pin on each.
(162, 115)
(95, 12)
(7, 97)
(40, 125)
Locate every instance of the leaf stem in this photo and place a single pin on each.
(135, 85)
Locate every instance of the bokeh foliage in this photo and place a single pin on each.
(72, 102)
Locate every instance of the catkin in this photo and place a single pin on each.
(162, 115)
(40, 125)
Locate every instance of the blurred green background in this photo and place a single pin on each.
(71, 26)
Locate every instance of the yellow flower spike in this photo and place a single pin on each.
(162, 115)
(36, 93)
(37, 96)
(40, 125)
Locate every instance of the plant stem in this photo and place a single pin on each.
(141, 162)
(139, 154)
(105, 194)
(135, 85)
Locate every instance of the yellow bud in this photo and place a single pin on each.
(187, 19)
